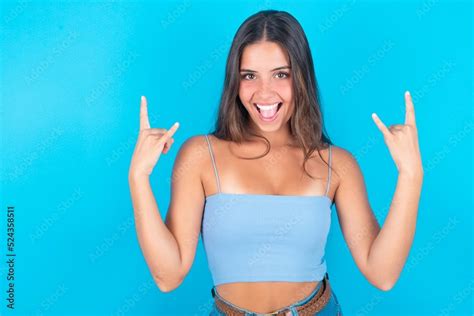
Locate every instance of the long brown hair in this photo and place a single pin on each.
(306, 123)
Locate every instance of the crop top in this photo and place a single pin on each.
(264, 237)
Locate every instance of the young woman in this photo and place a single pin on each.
(260, 195)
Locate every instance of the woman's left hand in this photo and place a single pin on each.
(402, 141)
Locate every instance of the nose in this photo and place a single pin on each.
(265, 89)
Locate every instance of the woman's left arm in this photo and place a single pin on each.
(381, 253)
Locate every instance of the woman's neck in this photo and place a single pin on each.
(279, 138)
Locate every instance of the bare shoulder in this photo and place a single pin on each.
(194, 149)
(343, 162)
(341, 157)
(350, 187)
(194, 142)
(191, 157)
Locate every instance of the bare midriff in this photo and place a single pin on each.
(265, 297)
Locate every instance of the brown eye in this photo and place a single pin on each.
(284, 75)
(244, 76)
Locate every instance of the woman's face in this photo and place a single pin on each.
(266, 85)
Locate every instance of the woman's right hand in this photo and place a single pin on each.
(150, 144)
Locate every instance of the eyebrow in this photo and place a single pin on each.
(278, 68)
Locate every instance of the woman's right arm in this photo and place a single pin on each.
(168, 247)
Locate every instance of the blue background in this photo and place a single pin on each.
(72, 74)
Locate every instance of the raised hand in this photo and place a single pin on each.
(402, 141)
(150, 144)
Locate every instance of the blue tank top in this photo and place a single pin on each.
(263, 237)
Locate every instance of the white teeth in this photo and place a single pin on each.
(267, 107)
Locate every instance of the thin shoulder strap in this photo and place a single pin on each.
(214, 164)
(329, 172)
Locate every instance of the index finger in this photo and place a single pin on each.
(169, 133)
(382, 127)
(144, 123)
(409, 110)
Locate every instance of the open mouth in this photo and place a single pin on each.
(268, 112)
